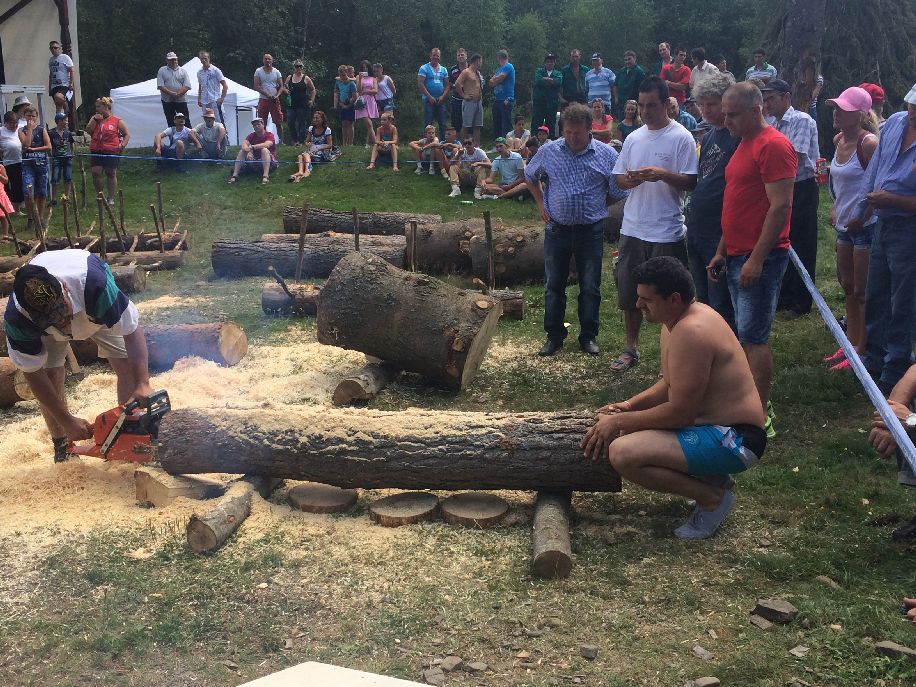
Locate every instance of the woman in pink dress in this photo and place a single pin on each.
(367, 86)
(5, 204)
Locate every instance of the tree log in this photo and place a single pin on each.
(445, 248)
(144, 242)
(169, 260)
(207, 532)
(519, 255)
(513, 303)
(13, 387)
(129, 278)
(381, 223)
(408, 319)
(551, 547)
(276, 303)
(365, 383)
(233, 258)
(369, 449)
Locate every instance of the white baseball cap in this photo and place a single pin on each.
(911, 96)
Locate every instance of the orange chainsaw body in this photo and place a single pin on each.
(127, 432)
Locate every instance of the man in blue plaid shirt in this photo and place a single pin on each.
(578, 187)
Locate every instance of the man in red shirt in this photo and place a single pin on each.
(754, 249)
(677, 76)
(258, 152)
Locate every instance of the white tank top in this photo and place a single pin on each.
(845, 187)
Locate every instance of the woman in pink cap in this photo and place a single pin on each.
(855, 144)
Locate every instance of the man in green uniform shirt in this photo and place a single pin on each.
(628, 79)
(547, 84)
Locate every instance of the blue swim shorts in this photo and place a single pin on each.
(718, 450)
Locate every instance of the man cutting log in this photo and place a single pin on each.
(66, 295)
(701, 421)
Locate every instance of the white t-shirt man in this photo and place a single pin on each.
(59, 67)
(210, 82)
(271, 82)
(654, 211)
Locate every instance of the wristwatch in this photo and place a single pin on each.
(910, 422)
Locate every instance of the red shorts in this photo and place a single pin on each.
(271, 107)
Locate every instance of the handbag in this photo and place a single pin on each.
(360, 103)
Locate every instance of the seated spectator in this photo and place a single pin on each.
(543, 135)
(212, 137)
(510, 168)
(257, 154)
(631, 121)
(320, 142)
(682, 117)
(449, 151)
(425, 149)
(468, 169)
(531, 147)
(519, 135)
(602, 123)
(691, 107)
(386, 142)
(177, 140)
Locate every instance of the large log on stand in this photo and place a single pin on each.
(383, 223)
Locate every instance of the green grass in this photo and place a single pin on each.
(391, 601)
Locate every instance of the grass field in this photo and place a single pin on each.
(89, 610)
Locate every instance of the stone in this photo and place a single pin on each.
(700, 652)
(799, 651)
(450, 663)
(776, 610)
(476, 667)
(554, 622)
(894, 650)
(762, 623)
(523, 654)
(588, 651)
(827, 582)
(434, 676)
(704, 682)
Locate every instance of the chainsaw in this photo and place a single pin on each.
(128, 432)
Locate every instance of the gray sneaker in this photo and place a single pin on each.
(703, 524)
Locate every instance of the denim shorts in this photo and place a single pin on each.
(860, 241)
(755, 307)
(35, 175)
(61, 167)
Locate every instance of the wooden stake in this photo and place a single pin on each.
(355, 229)
(36, 218)
(64, 201)
(9, 223)
(412, 250)
(114, 225)
(76, 217)
(491, 268)
(82, 188)
(100, 201)
(121, 211)
(159, 203)
(152, 209)
(303, 227)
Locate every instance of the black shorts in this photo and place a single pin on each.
(14, 185)
(107, 162)
(59, 89)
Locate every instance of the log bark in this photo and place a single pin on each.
(513, 303)
(144, 242)
(519, 255)
(276, 303)
(551, 546)
(369, 449)
(130, 279)
(445, 248)
(379, 223)
(365, 383)
(408, 319)
(206, 533)
(233, 258)
(799, 33)
(13, 387)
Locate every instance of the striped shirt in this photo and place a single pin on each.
(599, 84)
(801, 131)
(767, 71)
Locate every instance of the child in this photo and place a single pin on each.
(425, 149)
(449, 152)
(386, 142)
(345, 96)
(61, 157)
(320, 142)
(518, 137)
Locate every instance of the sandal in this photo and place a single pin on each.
(232, 180)
(628, 358)
(370, 166)
(265, 181)
(294, 177)
(835, 357)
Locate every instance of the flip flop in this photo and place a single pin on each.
(293, 177)
(835, 357)
(232, 180)
(370, 166)
(264, 181)
(628, 358)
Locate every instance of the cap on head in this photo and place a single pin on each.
(208, 113)
(597, 56)
(21, 100)
(777, 85)
(875, 91)
(255, 120)
(910, 98)
(60, 116)
(545, 129)
(500, 140)
(171, 56)
(40, 295)
(853, 99)
(178, 115)
(550, 56)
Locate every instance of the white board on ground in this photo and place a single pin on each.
(323, 675)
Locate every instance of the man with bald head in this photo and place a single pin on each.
(754, 250)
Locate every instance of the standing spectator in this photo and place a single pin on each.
(754, 249)
(368, 89)
(345, 96)
(855, 145)
(503, 84)
(547, 84)
(601, 82)
(602, 123)
(631, 121)
(61, 156)
(258, 153)
(6, 207)
(469, 87)
(877, 100)
(701, 68)
(387, 91)
(722, 66)
(468, 169)
(704, 222)
(628, 79)
(511, 170)
(301, 91)
(801, 131)
(173, 83)
(212, 86)
(60, 76)
(36, 144)
(177, 140)
(212, 136)
(761, 69)
(12, 158)
(677, 76)
(432, 80)
(574, 88)
(320, 146)
(108, 139)
(659, 163)
(386, 142)
(19, 106)
(664, 58)
(461, 63)
(268, 82)
(889, 190)
(682, 117)
(578, 188)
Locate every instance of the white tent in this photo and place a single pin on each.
(140, 106)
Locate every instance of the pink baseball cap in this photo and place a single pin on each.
(853, 99)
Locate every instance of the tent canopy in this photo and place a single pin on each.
(139, 105)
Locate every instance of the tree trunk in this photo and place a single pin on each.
(798, 36)
(407, 319)
(369, 449)
(13, 387)
(233, 258)
(365, 383)
(276, 303)
(322, 220)
(551, 547)
(206, 533)
(445, 248)
(513, 303)
(519, 255)
(144, 242)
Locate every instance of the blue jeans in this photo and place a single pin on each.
(435, 113)
(755, 307)
(890, 300)
(299, 119)
(561, 243)
(700, 250)
(502, 117)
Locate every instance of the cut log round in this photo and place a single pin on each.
(276, 303)
(233, 258)
(314, 497)
(551, 546)
(363, 384)
(206, 533)
(518, 259)
(321, 220)
(404, 509)
(13, 387)
(407, 319)
(372, 449)
(474, 509)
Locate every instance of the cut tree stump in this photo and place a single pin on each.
(519, 255)
(321, 220)
(13, 387)
(404, 509)
(275, 302)
(232, 258)
(370, 449)
(314, 497)
(130, 279)
(407, 319)
(206, 533)
(551, 547)
(365, 383)
(159, 488)
(474, 509)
